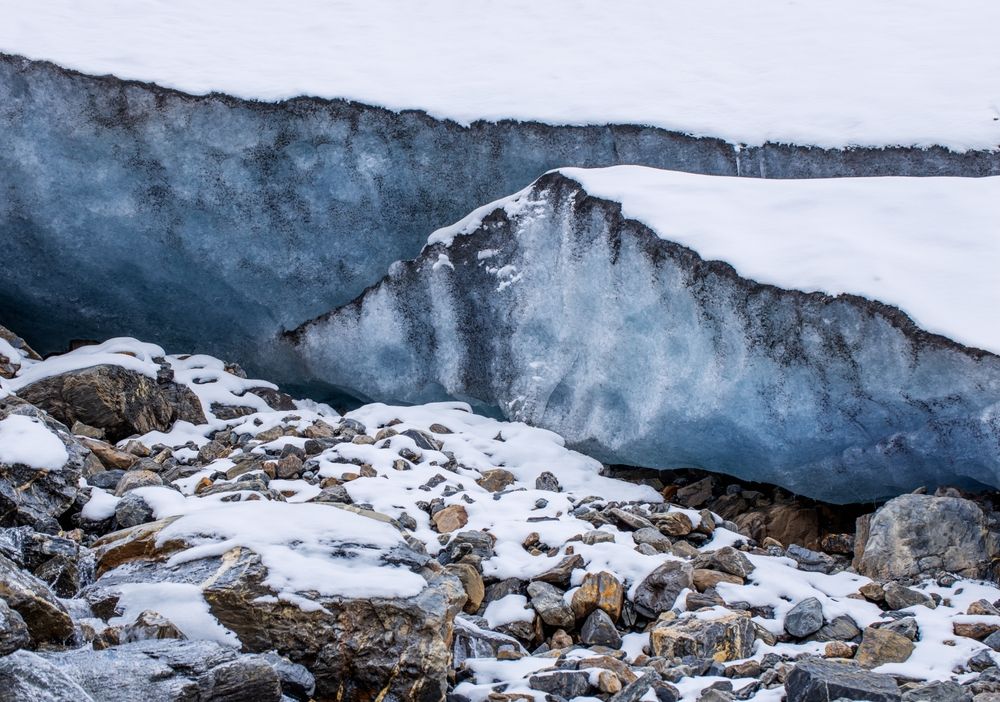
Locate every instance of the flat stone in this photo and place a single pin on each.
(880, 646)
(451, 518)
(816, 680)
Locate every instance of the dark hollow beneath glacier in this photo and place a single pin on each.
(568, 316)
(213, 223)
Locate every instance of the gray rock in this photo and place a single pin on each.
(726, 559)
(548, 601)
(13, 631)
(804, 618)
(26, 676)
(334, 493)
(118, 400)
(815, 680)
(906, 626)
(547, 481)
(659, 590)
(841, 628)
(132, 510)
(993, 640)
(149, 626)
(811, 561)
(37, 497)
(296, 680)
(900, 597)
(599, 630)
(423, 439)
(106, 480)
(913, 536)
(474, 640)
(565, 683)
(169, 671)
(651, 536)
(938, 691)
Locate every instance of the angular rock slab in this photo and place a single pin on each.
(33, 496)
(834, 397)
(816, 680)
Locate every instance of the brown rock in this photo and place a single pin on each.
(880, 646)
(472, 581)
(674, 524)
(726, 638)
(696, 494)
(108, 455)
(451, 518)
(598, 591)
(873, 592)
(838, 649)
(704, 579)
(137, 479)
(560, 573)
(46, 618)
(975, 630)
(496, 479)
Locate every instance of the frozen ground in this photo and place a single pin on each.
(898, 72)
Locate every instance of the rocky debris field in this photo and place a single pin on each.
(172, 530)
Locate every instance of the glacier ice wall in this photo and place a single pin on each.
(564, 314)
(213, 223)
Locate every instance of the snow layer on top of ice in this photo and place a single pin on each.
(929, 246)
(897, 72)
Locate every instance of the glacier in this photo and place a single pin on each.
(244, 218)
(556, 308)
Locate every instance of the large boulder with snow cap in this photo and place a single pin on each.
(40, 466)
(119, 400)
(388, 633)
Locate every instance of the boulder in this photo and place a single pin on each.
(46, 618)
(725, 638)
(13, 631)
(355, 647)
(659, 590)
(118, 400)
(880, 646)
(548, 601)
(913, 536)
(37, 495)
(805, 618)
(27, 676)
(598, 591)
(599, 630)
(816, 680)
(168, 671)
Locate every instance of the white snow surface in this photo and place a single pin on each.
(909, 72)
(929, 246)
(26, 440)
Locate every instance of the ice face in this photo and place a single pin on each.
(560, 312)
(214, 223)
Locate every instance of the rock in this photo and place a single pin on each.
(565, 683)
(880, 646)
(811, 561)
(547, 481)
(725, 638)
(599, 630)
(838, 649)
(335, 493)
(118, 400)
(842, 544)
(37, 495)
(13, 631)
(46, 618)
(899, 597)
(451, 518)
(705, 579)
(11, 363)
(149, 626)
(816, 680)
(474, 640)
(653, 537)
(804, 618)
(472, 583)
(696, 494)
(993, 640)
(355, 647)
(495, 480)
(727, 560)
(873, 592)
(423, 440)
(27, 676)
(788, 523)
(108, 455)
(659, 590)
(169, 671)
(913, 536)
(938, 691)
(132, 510)
(560, 573)
(842, 628)
(137, 479)
(629, 520)
(548, 601)
(674, 524)
(598, 591)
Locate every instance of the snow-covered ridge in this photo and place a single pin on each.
(929, 246)
(914, 72)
